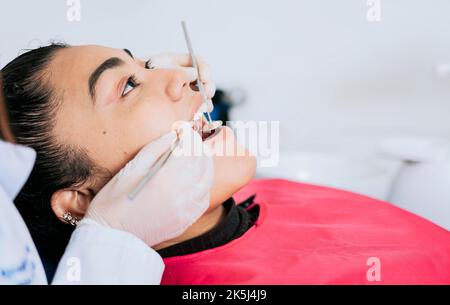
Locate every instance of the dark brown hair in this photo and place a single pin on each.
(5, 131)
(31, 105)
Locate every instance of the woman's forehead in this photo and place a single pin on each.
(71, 68)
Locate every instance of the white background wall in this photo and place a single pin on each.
(318, 66)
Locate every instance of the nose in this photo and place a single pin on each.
(175, 82)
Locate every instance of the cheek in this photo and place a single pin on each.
(153, 117)
(127, 131)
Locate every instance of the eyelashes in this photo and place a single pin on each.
(131, 84)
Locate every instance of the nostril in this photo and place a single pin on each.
(194, 86)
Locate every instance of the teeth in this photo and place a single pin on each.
(213, 126)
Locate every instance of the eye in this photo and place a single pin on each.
(130, 85)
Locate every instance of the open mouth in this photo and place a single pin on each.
(198, 127)
(209, 135)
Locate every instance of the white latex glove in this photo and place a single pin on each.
(183, 61)
(171, 201)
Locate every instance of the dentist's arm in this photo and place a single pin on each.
(112, 243)
(100, 255)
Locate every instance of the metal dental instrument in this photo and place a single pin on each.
(211, 125)
(153, 170)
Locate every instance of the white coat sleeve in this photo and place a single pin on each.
(101, 255)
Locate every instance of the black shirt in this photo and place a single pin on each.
(236, 222)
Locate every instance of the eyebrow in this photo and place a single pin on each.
(110, 63)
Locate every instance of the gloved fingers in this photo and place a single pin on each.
(210, 106)
(195, 169)
(208, 84)
(210, 89)
(196, 206)
(183, 61)
(200, 205)
(170, 60)
(205, 71)
(163, 60)
(191, 158)
(190, 72)
(178, 222)
(190, 141)
(147, 156)
(202, 176)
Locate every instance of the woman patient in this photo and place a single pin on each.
(87, 110)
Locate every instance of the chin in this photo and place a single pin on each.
(234, 166)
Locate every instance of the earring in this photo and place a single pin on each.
(70, 219)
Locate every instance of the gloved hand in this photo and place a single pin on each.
(171, 201)
(183, 61)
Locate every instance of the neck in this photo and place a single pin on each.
(206, 223)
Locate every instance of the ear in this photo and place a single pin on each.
(74, 201)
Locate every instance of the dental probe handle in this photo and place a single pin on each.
(153, 170)
(205, 100)
(200, 86)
